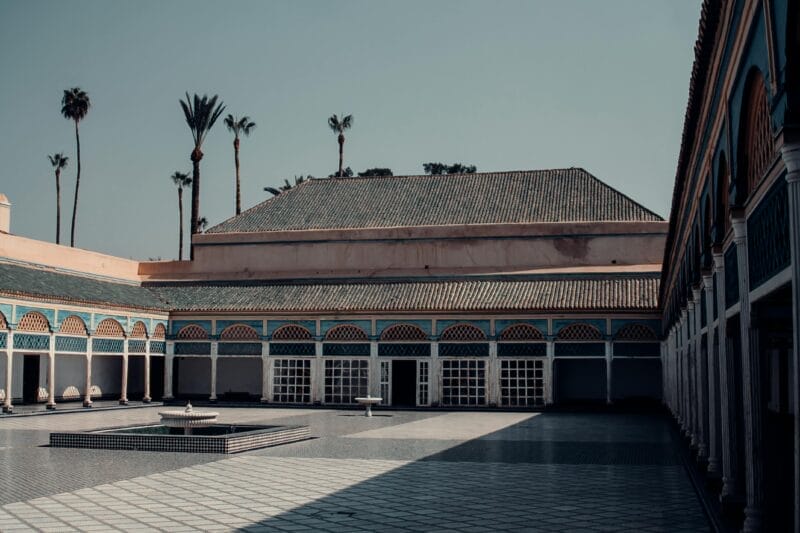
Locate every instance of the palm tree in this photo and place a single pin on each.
(75, 105)
(181, 180)
(200, 114)
(238, 125)
(338, 126)
(58, 161)
(202, 223)
(286, 185)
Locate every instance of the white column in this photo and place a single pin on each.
(550, 384)
(169, 356)
(684, 379)
(146, 398)
(751, 387)
(214, 354)
(318, 374)
(691, 309)
(266, 374)
(51, 373)
(711, 379)
(493, 376)
(123, 395)
(375, 372)
(701, 379)
(7, 405)
(87, 387)
(609, 380)
(790, 152)
(435, 375)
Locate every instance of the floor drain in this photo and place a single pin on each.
(334, 514)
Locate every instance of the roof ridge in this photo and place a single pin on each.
(637, 204)
(462, 175)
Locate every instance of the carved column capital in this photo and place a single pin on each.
(790, 153)
(739, 231)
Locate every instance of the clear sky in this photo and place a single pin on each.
(504, 85)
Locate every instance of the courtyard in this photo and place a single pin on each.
(396, 471)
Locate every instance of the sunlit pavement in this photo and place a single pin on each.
(396, 471)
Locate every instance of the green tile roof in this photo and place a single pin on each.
(36, 282)
(559, 195)
(567, 293)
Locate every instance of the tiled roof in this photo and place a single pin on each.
(560, 195)
(25, 281)
(567, 293)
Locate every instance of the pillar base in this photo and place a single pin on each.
(147, 399)
(730, 504)
(51, 406)
(123, 402)
(714, 468)
(8, 409)
(264, 400)
(87, 403)
(168, 397)
(752, 520)
(212, 400)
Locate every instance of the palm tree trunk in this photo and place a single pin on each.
(77, 186)
(58, 206)
(238, 186)
(341, 152)
(180, 224)
(196, 156)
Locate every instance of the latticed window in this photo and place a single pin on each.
(580, 332)
(159, 332)
(463, 382)
(403, 332)
(636, 332)
(109, 328)
(345, 380)
(291, 332)
(462, 332)
(192, 331)
(522, 382)
(3, 323)
(756, 148)
(33, 321)
(238, 332)
(521, 332)
(73, 325)
(291, 380)
(139, 331)
(723, 200)
(346, 333)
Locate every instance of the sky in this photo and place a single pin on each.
(503, 85)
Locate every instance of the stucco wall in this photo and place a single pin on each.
(107, 375)
(240, 374)
(70, 376)
(194, 376)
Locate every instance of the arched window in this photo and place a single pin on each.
(33, 321)
(707, 238)
(756, 149)
(403, 332)
(579, 332)
(636, 332)
(73, 325)
(3, 322)
(291, 332)
(521, 332)
(139, 331)
(238, 332)
(192, 332)
(723, 219)
(346, 333)
(109, 328)
(462, 332)
(159, 332)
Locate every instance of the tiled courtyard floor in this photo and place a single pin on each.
(396, 471)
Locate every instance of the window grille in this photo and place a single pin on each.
(386, 382)
(192, 332)
(405, 349)
(580, 332)
(521, 332)
(292, 348)
(403, 332)
(71, 344)
(522, 382)
(423, 376)
(136, 346)
(192, 348)
(463, 382)
(159, 332)
(73, 325)
(34, 321)
(291, 332)
(159, 347)
(345, 380)
(636, 332)
(462, 332)
(757, 148)
(521, 349)
(344, 348)
(345, 333)
(109, 328)
(3, 322)
(239, 348)
(139, 331)
(238, 332)
(464, 349)
(291, 380)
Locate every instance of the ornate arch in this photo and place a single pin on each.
(347, 333)
(521, 332)
(139, 331)
(403, 332)
(462, 332)
(239, 332)
(3, 321)
(192, 332)
(756, 148)
(159, 332)
(579, 332)
(636, 332)
(109, 327)
(73, 325)
(292, 332)
(34, 321)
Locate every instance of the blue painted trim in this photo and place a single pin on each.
(257, 325)
(561, 323)
(177, 325)
(99, 317)
(483, 325)
(617, 324)
(50, 314)
(538, 323)
(383, 325)
(273, 325)
(327, 325)
(7, 310)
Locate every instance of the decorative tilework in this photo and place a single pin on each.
(636, 332)
(192, 332)
(73, 325)
(346, 333)
(3, 339)
(22, 310)
(139, 330)
(462, 332)
(292, 348)
(158, 347)
(159, 331)
(521, 349)
(579, 331)
(71, 344)
(580, 349)
(107, 345)
(177, 325)
(137, 346)
(33, 321)
(464, 349)
(339, 349)
(561, 323)
(637, 349)
(239, 348)
(403, 332)
(292, 332)
(109, 327)
(768, 236)
(239, 332)
(27, 341)
(192, 348)
(521, 332)
(404, 349)
(273, 325)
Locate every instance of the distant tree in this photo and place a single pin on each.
(200, 115)
(59, 161)
(455, 168)
(181, 180)
(202, 224)
(346, 173)
(373, 172)
(287, 185)
(75, 105)
(338, 126)
(244, 126)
